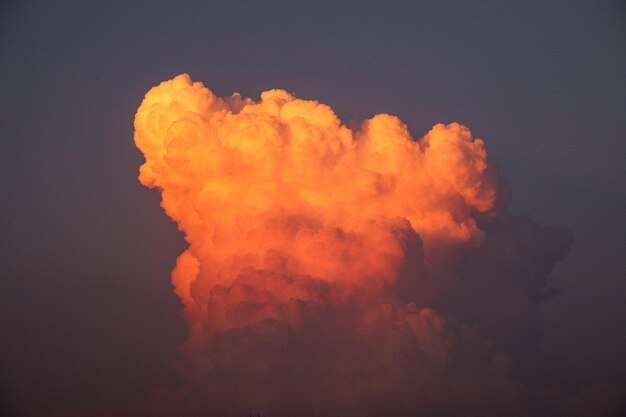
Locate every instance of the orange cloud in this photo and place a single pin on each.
(319, 255)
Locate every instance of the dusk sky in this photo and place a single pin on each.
(88, 316)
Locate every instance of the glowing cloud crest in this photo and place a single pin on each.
(339, 271)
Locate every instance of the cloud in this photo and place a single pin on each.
(339, 271)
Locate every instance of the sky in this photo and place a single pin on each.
(88, 314)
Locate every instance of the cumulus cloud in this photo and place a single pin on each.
(339, 271)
